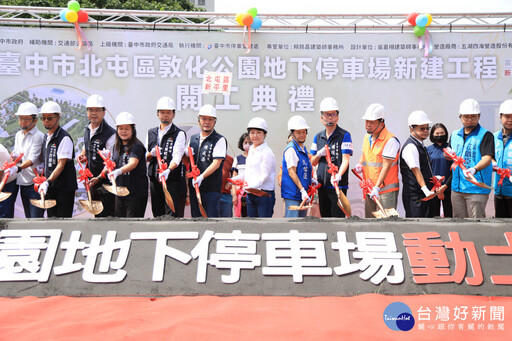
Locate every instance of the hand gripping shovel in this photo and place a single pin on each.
(503, 173)
(240, 192)
(438, 185)
(367, 186)
(255, 191)
(194, 172)
(111, 165)
(7, 173)
(94, 207)
(42, 203)
(343, 202)
(459, 161)
(311, 194)
(162, 166)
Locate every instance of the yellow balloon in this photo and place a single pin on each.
(71, 16)
(238, 19)
(429, 19)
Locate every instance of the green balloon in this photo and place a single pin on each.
(419, 31)
(253, 11)
(74, 6)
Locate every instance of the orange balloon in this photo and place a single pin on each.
(247, 19)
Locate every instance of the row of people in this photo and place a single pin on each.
(381, 161)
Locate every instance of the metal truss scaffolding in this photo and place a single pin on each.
(161, 20)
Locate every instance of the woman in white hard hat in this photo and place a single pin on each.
(130, 158)
(297, 169)
(260, 171)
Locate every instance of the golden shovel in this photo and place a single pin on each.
(42, 203)
(117, 190)
(94, 207)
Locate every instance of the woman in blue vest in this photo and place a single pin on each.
(130, 158)
(503, 156)
(440, 167)
(296, 168)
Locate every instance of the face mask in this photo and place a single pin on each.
(247, 146)
(440, 138)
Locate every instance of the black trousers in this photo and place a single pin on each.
(127, 207)
(65, 204)
(503, 207)
(415, 208)
(328, 202)
(107, 199)
(158, 204)
(447, 205)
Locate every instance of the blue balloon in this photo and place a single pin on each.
(256, 23)
(421, 20)
(63, 14)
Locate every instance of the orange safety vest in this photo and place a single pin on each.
(373, 162)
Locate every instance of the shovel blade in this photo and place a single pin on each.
(473, 180)
(168, 198)
(257, 192)
(94, 207)
(117, 190)
(43, 204)
(4, 195)
(344, 204)
(299, 208)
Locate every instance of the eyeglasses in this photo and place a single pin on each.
(95, 110)
(329, 115)
(423, 128)
(48, 118)
(25, 119)
(469, 117)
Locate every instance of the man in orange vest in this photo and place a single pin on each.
(379, 161)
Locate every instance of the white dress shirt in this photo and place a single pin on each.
(411, 155)
(260, 168)
(31, 145)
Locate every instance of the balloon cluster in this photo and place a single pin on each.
(420, 22)
(249, 19)
(73, 13)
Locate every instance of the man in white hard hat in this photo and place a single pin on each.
(297, 168)
(172, 142)
(476, 146)
(98, 135)
(503, 157)
(29, 141)
(58, 154)
(379, 160)
(340, 147)
(209, 150)
(415, 167)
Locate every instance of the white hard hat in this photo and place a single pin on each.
(50, 107)
(505, 107)
(329, 104)
(124, 118)
(95, 101)
(165, 103)
(469, 107)
(417, 118)
(257, 123)
(297, 122)
(375, 111)
(208, 110)
(26, 109)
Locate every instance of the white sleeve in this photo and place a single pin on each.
(391, 149)
(291, 158)
(411, 156)
(179, 148)
(219, 151)
(36, 149)
(268, 164)
(65, 150)
(111, 143)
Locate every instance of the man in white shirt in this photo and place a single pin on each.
(415, 168)
(209, 150)
(260, 171)
(29, 141)
(172, 142)
(58, 154)
(98, 135)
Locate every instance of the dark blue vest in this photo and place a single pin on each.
(408, 179)
(166, 149)
(334, 142)
(98, 142)
(203, 156)
(66, 182)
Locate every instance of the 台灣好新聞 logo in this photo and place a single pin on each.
(398, 316)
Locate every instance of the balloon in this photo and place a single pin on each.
(256, 23)
(71, 16)
(253, 12)
(429, 16)
(247, 19)
(238, 19)
(421, 20)
(63, 14)
(82, 16)
(419, 31)
(412, 18)
(74, 6)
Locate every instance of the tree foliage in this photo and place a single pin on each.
(149, 5)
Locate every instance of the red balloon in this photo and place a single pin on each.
(82, 16)
(412, 18)
(247, 19)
